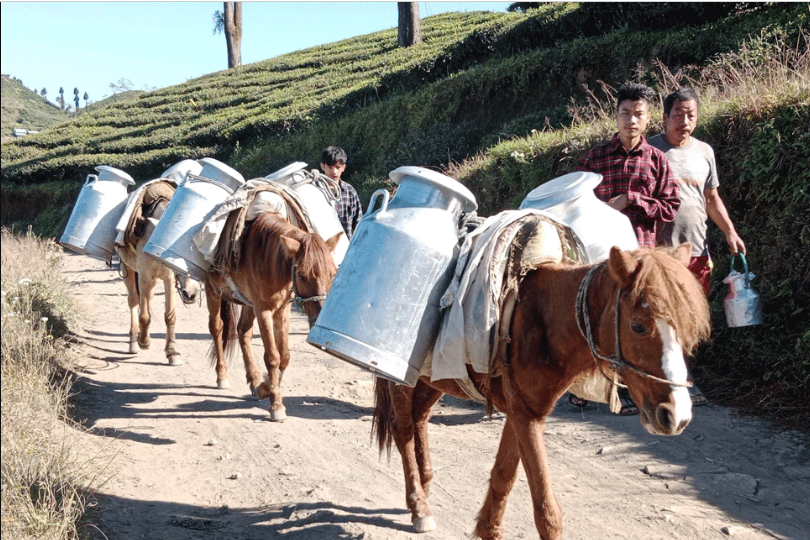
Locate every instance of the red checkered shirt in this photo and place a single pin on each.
(644, 174)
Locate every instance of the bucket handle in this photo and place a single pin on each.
(373, 200)
(87, 181)
(745, 266)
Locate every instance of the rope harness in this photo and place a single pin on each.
(584, 324)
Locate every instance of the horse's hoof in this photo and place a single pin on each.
(424, 524)
(223, 384)
(133, 348)
(175, 360)
(254, 391)
(279, 415)
(144, 346)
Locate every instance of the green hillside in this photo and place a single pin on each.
(25, 109)
(503, 102)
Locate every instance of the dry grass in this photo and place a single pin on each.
(43, 472)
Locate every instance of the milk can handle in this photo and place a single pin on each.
(87, 181)
(373, 200)
(745, 266)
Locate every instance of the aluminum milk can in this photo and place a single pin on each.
(176, 173)
(193, 203)
(570, 197)
(742, 305)
(319, 202)
(382, 312)
(102, 199)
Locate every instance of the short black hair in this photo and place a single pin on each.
(635, 92)
(333, 155)
(681, 94)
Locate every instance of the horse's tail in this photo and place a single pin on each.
(229, 313)
(383, 419)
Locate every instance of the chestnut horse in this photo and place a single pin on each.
(279, 263)
(568, 321)
(141, 275)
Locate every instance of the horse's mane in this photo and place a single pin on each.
(671, 292)
(268, 227)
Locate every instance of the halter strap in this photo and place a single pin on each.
(584, 325)
(296, 299)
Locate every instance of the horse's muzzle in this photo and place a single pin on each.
(663, 420)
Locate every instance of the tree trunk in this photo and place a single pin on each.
(410, 27)
(233, 33)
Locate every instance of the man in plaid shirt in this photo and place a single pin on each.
(636, 181)
(348, 207)
(636, 178)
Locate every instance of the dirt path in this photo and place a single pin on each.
(193, 462)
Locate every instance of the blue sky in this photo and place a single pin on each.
(88, 45)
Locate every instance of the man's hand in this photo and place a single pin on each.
(735, 243)
(619, 202)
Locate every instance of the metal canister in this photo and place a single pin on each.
(176, 174)
(571, 198)
(192, 204)
(382, 312)
(742, 304)
(102, 199)
(319, 201)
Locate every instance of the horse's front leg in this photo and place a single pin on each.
(245, 331)
(133, 302)
(529, 433)
(405, 438)
(489, 525)
(216, 327)
(272, 360)
(170, 318)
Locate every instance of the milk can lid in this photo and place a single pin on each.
(106, 171)
(564, 188)
(286, 171)
(438, 180)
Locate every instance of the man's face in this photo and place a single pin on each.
(333, 171)
(632, 118)
(681, 121)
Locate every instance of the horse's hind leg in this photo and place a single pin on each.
(146, 289)
(413, 448)
(245, 331)
(489, 524)
(130, 281)
(170, 317)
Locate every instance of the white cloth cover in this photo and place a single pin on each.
(469, 324)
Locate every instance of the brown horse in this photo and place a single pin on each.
(141, 275)
(278, 261)
(645, 304)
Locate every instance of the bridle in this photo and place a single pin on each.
(584, 324)
(296, 299)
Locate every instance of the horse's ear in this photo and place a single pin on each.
(332, 242)
(683, 253)
(291, 246)
(622, 265)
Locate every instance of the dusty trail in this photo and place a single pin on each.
(194, 462)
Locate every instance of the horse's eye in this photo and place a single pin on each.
(638, 328)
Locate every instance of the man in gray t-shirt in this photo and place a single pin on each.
(693, 165)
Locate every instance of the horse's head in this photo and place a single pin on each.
(313, 270)
(188, 287)
(663, 315)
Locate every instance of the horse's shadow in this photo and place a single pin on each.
(315, 520)
(93, 402)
